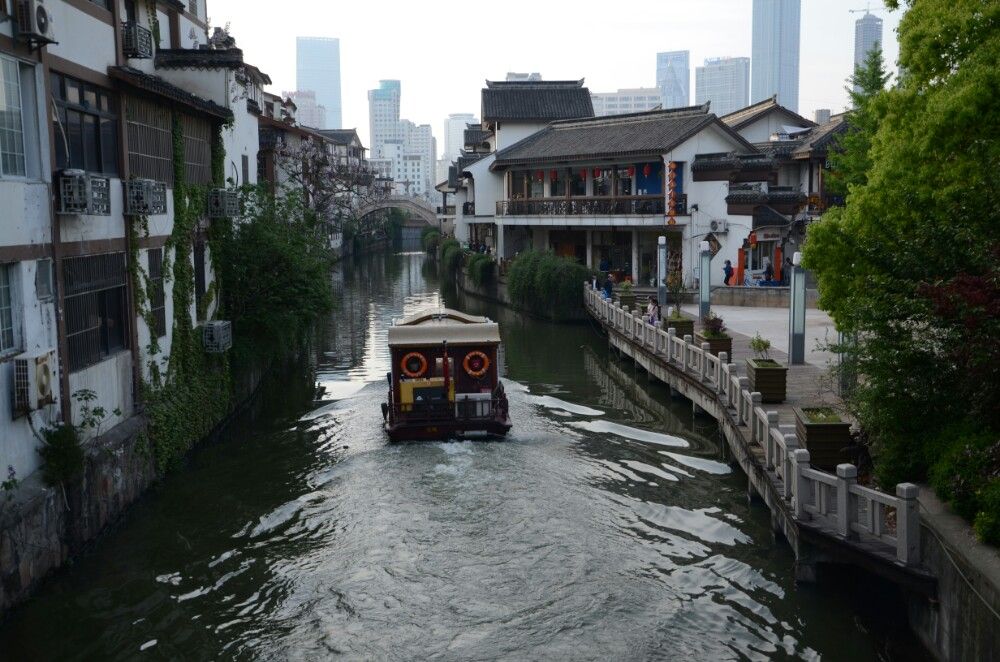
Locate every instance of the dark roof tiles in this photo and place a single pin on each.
(535, 101)
(156, 85)
(649, 133)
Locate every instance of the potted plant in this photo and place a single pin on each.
(626, 295)
(713, 331)
(767, 376)
(683, 325)
(825, 435)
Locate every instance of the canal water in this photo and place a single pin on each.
(609, 525)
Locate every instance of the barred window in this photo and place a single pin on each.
(150, 140)
(9, 340)
(157, 298)
(197, 149)
(96, 308)
(199, 273)
(12, 161)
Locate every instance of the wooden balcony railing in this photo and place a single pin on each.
(638, 205)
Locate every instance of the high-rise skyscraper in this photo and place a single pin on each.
(673, 77)
(307, 111)
(775, 65)
(318, 70)
(383, 115)
(867, 35)
(725, 81)
(454, 133)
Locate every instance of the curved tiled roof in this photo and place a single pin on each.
(156, 85)
(745, 116)
(650, 133)
(535, 101)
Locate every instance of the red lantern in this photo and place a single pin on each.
(631, 171)
(597, 173)
(583, 174)
(539, 175)
(647, 170)
(553, 175)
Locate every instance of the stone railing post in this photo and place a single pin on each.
(847, 476)
(789, 458)
(801, 462)
(720, 374)
(671, 334)
(686, 356)
(772, 424)
(741, 417)
(907, 524)
(756, 399)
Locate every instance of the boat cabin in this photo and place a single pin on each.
(444, 380)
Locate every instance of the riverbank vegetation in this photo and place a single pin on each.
(910, 266)
(430, 239)
(546, 284)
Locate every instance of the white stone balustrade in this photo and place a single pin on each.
(834, 501)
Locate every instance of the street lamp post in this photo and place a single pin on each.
(704, 282)
(661, 271)
(797, 313)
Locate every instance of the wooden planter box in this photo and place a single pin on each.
(627, 301)
(684, 326)
(826, 442)
(768, 378)
(716, 345)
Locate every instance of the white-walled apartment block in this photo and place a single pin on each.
(89, 105)
(629, 100)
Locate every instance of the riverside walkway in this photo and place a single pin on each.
(826, 517)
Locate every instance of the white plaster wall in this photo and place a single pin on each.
(187, 28)
(761, 130)
(111, 380)
(18, 444)
(142, 329)
(83, 227)
(512, 132)
(242, 138)
(461, 221)
(711, 200)
(82, 38)
(211, 84)
(488, 186)
(24, 213)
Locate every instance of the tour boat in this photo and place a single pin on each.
(444, 381)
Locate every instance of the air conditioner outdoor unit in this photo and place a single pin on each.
(34, 24)
(137, 41)
(34, 380)
(217, 336)
(720, 225)
(223, 203)
(145, 197)
(80, 193)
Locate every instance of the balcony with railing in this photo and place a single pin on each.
(633, 205)
(448, 210)
(744, 198)
(469, 208)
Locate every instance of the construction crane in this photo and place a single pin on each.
(867, 10)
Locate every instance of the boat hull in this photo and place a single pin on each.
(439, 430)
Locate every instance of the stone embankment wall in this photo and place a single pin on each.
(759, 297)
(40, 529)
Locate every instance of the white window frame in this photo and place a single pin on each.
(11, 271)
(24, 136)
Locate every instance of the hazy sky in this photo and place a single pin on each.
(443, 51)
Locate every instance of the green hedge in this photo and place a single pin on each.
(547, 285)
(451, 255)
(482, 269)
(430, 239)
(965, 471)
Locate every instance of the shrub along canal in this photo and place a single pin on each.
(609, 525)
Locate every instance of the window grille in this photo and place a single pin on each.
(150, 140)
(96, 305)
(197, 150)
(8, 335)
(157, 296)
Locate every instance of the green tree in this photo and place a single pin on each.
(910, 264)
(850, 158)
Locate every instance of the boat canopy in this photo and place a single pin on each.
(436, 327)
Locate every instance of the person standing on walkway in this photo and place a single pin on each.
(609, 286)
(728, 273)
(652, 311)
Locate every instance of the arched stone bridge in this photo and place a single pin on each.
(417, 207)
